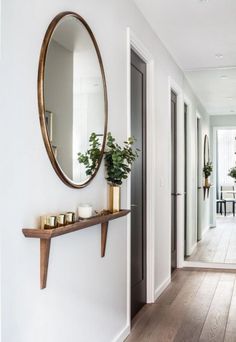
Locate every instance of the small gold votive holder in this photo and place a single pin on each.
(70, 217)
(61, 220)
(43, 221)
(51, 222)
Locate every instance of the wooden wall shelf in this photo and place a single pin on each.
(45, 236)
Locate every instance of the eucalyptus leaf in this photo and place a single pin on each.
(118, 160)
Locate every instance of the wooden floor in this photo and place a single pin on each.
(218, 244)
(197, 306)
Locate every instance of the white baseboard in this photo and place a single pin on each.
(192, 248)
(205, 231)
(195, 245)
(122, 335)
(162, 288)
(213, 265)
(126, 331)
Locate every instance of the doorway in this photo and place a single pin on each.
(174, 193)
(138, 185)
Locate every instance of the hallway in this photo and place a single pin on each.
(218, 244)
(197, 306)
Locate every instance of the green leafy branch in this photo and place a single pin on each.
(91, 158)
(207, 170)
(232, 172)
(118, 160)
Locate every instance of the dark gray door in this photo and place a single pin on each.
(138, 185)
(173, 181)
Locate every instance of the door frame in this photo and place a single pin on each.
(173, 85)
(139, 287)
(133, 43)
(199, 167)
(174, 184)
(188, 176)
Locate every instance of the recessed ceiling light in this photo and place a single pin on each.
(229, 98)
(203, 0)
(218, 55)
(224, 77)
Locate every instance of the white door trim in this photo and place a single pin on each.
(199, 168)
(134, 43)
(188, 196)
(172, 85)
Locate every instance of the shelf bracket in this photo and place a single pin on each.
(44, 258)
(206, 192)
(104, 228)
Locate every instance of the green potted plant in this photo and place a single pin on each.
(118, 162)
(207, 171)
(232, 173)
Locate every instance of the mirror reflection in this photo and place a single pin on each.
(210, 201)
(74, 96)
(214, 238)
(203, 132)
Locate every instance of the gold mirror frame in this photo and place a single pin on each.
(41, 102)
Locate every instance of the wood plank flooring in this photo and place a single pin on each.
(218, 244)
(197, 306)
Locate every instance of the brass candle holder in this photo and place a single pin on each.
(61, 220)
(69, 217)
(51, 222)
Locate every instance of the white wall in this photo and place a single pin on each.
(223, 121)
(86, 296)
(89, 103)
(204, 204)
(198, 209)
(58, 90)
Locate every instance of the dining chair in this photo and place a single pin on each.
(219, 204)
(228, 195)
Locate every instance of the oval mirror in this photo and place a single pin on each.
(206, 150)
(72, 97)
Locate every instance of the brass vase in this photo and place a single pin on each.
(114, 198)
(207, 182)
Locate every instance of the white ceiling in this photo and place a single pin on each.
(72, 35)
(194, 32)
(216, 88)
